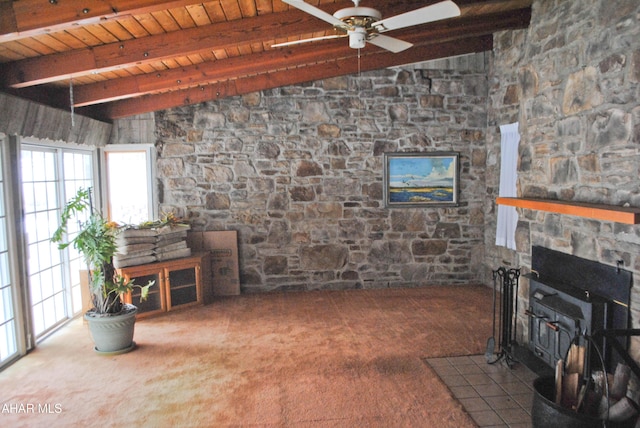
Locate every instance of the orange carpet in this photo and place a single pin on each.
(312, 359)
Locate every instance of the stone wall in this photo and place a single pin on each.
(298, 172)
(572, 81)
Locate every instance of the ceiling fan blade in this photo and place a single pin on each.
(389, 43)
(313, 39)
(318, 13)
(435, 12)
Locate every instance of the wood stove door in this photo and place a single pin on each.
(567, 329)
(543, 336)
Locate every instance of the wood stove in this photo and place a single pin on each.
(558, 314)
(570, 296)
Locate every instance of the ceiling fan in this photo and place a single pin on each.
(365, 24)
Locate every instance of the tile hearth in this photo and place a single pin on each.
(494, 395)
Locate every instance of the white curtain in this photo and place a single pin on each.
(508, 216)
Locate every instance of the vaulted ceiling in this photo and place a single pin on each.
(116, 58)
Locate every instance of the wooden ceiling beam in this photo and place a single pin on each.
(112, 56)
(211, 79)
(339, 67)
(200, 74)
(118, 55)
(215, 71)
(28, 18)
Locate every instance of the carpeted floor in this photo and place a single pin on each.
(314, 359)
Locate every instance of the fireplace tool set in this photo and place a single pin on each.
(506, 313)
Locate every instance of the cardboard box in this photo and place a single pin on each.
(222, 246)
(85, 294)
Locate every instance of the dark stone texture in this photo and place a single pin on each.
(302, 194)
(307, 169)
(429, 247)
(275, 265)
(218, 201)
(447, 231)
(298, 171)
(323, 257)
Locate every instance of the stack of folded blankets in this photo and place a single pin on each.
(171, 243)
(138, 246)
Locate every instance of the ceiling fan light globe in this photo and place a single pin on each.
(357, 38)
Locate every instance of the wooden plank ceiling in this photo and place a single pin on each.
(116, 58)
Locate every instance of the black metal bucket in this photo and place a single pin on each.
(545, 413)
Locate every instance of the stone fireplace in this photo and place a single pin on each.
(579, 134)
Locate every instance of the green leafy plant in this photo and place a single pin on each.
(166, 219)
(96, 241)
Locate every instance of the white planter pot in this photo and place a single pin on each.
(113, 334)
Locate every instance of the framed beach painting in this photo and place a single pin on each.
(421, 179)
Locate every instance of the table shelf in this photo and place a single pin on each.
(178, 284)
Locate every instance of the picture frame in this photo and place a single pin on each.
(421, 179)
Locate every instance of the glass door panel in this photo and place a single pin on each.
(54, 278)
(78, 173)
(8, 291)
(40, 194)
(182, 287)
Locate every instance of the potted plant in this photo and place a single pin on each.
(111, 321)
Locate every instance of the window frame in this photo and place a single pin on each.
(60, 149)
(15, 244)
(150, 153)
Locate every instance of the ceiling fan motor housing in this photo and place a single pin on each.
(358, 21)
(358, 16)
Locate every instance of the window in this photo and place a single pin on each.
(50, 177)
(36, 180)
(11, 333)
(129, 177)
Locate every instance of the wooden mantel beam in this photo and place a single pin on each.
(626, 215)
(338, 67)
(28, 18)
